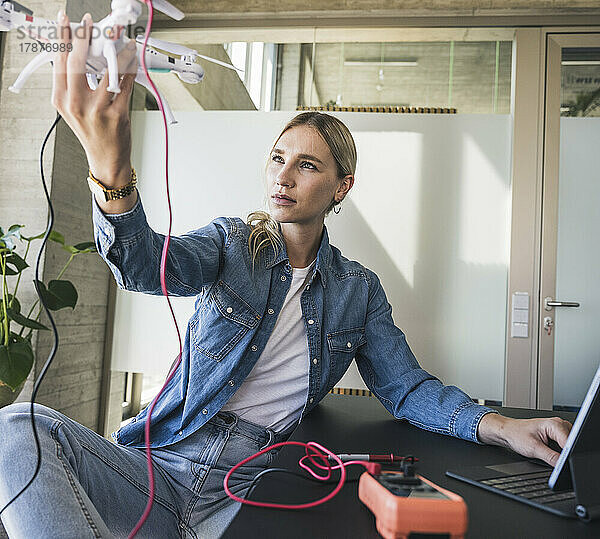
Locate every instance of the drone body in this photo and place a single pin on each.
(106, 43)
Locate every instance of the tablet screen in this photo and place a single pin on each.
(584, 436)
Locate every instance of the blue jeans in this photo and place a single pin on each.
(89, 486)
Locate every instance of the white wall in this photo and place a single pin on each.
(429, 213)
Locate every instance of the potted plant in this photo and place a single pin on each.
(16, 350)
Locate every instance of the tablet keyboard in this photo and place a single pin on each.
(532, 486)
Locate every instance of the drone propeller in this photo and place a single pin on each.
(21, 9)
(128, 11)
(181, 50)
(168, 9)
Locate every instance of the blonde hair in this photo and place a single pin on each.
(265, 230)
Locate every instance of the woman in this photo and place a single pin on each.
(281, 313)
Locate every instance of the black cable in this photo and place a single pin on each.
(297, 474)
(37, 289)
(409, 459)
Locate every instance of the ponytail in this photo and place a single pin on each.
(265, 231)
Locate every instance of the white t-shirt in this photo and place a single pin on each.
(274, 393)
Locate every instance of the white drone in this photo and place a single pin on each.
(105, 45)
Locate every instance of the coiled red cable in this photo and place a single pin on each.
(320, 452)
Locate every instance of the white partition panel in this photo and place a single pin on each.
(429, 213)
(576, 337)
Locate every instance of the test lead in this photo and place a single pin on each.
(390, 458)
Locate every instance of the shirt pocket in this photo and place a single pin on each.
(223, 320)
(342, 347)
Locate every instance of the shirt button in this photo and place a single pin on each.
(205, 411)
(283, 277)
(349, 344)
(180, 432)
(271, 311)
(307, 287)
(315, 361)
(311, 400)
(229, 310)
(311, 322)
(230, 382)
(254, 348)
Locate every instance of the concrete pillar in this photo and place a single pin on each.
(73, 383)
(289, 83)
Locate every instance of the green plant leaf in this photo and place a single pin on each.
(15, 260)
(27, 322)
(70, 249)
(58, 295)
(8, 242)
(14, 304)
(8, 238)
(86, 247)
(16, 361)
(40, 235)
(57, 237)
(16, 229)
(15, 337)
(10, 271)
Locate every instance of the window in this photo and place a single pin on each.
(469, 76)
(473, 77)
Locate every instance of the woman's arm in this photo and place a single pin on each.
(100, 120)
(132, 251)
(391, 371)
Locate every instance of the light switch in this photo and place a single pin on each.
(519, 330)
(520, 315)
(520, 300)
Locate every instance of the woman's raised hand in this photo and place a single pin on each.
(99, 119)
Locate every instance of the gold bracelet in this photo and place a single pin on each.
(112, 194)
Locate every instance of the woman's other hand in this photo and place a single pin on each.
(529, 437)
(100, 122)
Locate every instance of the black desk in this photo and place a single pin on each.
(348, 424)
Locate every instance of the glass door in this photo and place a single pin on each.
(569, 336)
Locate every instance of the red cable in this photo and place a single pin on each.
(310, 445)
(307, 446)
(373, 467)
(163, 285)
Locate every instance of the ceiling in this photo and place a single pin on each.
(386, 12)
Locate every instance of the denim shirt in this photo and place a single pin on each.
(345, 311)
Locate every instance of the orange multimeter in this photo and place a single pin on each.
(404, 503)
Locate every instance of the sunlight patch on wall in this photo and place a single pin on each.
(484, 207)
(389, 201)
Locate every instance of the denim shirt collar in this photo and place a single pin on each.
(323, 257)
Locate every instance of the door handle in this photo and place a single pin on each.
(549, 303)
